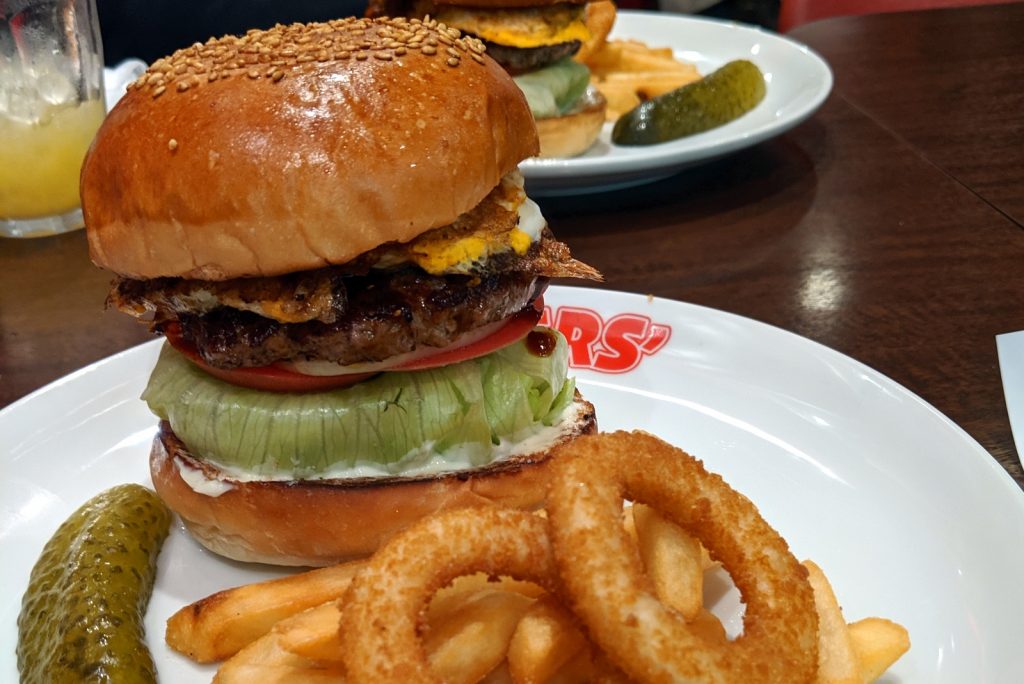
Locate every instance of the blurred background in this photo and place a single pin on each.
(149, 29)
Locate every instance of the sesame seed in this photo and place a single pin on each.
(172, 144)
(272, 53)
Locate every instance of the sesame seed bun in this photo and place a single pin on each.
(573, 133)
(298, 147)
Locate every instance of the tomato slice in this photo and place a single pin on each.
(273, 378)
(266, 378)
(518, 327)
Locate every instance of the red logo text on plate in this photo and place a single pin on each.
(616, 345)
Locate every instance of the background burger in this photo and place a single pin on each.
(327, 223)
(535, 41)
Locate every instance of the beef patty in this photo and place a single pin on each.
(520, 60)
(383, 315)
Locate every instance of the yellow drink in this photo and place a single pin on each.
(40, 162)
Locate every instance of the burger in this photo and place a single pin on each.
(327, 224)
(535, 41)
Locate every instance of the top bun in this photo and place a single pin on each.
(298, 147)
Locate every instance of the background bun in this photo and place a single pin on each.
(573, 133)
(298, 147)
(319, 523)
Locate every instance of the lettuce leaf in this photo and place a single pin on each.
(397, 420)
(555, 89)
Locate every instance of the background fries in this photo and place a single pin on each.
(627, 72)
(599, 17)
(482, 629)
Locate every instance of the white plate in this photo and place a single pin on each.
(798, 82)
(909, 517)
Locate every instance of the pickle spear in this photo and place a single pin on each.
(81, 617)
(717, 99)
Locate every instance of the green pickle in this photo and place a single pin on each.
(82, 616)
(717, 99)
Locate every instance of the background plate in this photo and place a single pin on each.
(910, 518)
(798, 82)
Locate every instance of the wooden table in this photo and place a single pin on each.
(864, 229)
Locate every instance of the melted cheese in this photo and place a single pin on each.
(440, 253)
(442, 256)
(523, 28)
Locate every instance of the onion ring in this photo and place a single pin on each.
(604, 582)
(383, 608)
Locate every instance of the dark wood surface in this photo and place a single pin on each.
(843, 230)
(947, 81)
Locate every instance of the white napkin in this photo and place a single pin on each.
(1010, 348)
(116, 80)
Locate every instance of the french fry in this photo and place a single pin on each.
(267, 661)
(599, 17)
(469, 642)
(629, 72)
(546, 638)
(648, 84)
(578, 670)
(498, 675)
(218, 626)
(878, 644)
(449, 598)
(466, 639)
(629, 523)
(313, 634)
(708, 627)
(673, 561)
(837, 660)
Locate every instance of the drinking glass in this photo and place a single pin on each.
(51, 103)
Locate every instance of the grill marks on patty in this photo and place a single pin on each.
(377, 306)
(384, 316)
(318, 295)
(345, 318)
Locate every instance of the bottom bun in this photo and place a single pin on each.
(321, 522)
(573, 133)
